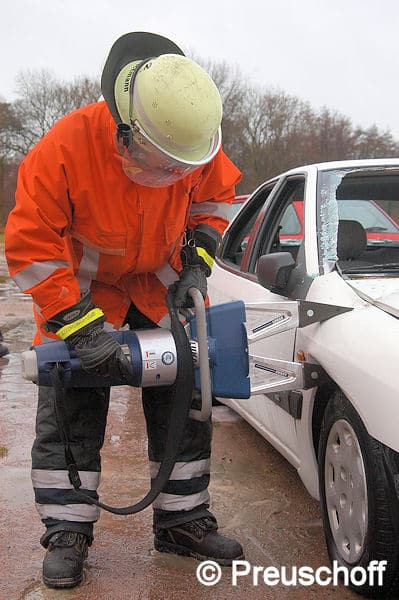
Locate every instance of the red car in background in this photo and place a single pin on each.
(378, 224)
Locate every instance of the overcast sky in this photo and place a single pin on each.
(337, 53)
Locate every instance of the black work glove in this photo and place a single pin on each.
(82, 327)
(197, 256)
(190, 277)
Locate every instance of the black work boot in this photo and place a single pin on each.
(199, 539)
(63, 563)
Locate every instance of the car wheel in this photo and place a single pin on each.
(359, 487)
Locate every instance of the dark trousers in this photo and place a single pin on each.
(185, 496)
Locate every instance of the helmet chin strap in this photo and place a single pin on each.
(124, 131)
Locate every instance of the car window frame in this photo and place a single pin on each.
(270, 217)
(258, 201)
(307, 261)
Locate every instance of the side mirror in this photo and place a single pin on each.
(273, 271)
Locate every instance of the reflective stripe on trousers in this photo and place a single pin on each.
(187, 488)
(54, 495)
(52, 486)
(189, 482)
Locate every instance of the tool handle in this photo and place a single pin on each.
(205, 375)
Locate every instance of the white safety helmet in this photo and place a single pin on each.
(167, 109)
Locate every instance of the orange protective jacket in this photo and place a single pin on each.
(80, 223)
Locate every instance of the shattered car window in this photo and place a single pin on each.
(329, 216)
(358, 220)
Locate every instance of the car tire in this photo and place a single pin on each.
(359, 487)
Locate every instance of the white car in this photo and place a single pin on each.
(325, 379)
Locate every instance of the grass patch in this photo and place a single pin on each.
(3, 451)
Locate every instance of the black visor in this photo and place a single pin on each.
(134, 46)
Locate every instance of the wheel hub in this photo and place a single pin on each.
(346, 491)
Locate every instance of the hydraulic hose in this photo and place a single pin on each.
(179, 413)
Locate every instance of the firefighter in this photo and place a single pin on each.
(119, 200)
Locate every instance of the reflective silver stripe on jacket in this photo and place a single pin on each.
(176, 502)
(218, 209)
(43, 478)
(69, 512)
(167, 275)
(165, 322)
(88, 267)
(184, 470)
(38, 272)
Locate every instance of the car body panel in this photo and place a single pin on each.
(384, 295)
(364, 370)
(279, 346)
(358, 349)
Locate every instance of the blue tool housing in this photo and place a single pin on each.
(228, 350)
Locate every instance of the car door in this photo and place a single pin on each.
(271, 221)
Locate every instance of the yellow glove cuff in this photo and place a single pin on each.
(205, 256)
(73, 327)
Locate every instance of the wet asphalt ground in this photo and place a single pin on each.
(256, 495)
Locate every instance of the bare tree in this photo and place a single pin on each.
(43, 100)
(233, 89)
(371, 143)
(9, 126)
